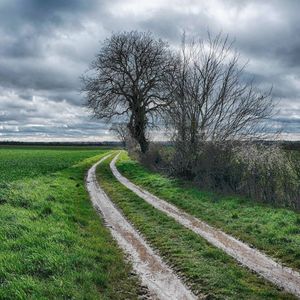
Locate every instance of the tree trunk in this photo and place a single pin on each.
(139, 136)
(137, 127)
(144, 144)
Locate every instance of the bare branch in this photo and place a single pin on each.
(211, 99)
(128, 77)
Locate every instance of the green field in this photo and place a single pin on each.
(276, 231)
(52, 243)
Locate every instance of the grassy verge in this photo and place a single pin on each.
(52, 243)
(205, 268)
(274, 230)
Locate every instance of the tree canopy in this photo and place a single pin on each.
(127, 77)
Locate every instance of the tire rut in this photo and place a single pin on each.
(283, 277)
(160, 280)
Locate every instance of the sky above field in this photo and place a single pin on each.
(45, 45)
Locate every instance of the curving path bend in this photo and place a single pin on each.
(282, 276)
(161, 281)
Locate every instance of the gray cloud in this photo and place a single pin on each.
(46, 45)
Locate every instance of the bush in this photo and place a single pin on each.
(157, 157)
(261, 172)
(266, 173)
(213, 168)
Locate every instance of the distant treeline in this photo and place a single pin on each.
(289, 145)
(106, 143)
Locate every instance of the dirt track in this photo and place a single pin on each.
(255, 260)
(160, 280)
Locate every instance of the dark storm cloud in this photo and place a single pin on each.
(46, 45)
(34, 35)
(44, 14)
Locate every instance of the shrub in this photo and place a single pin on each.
(261, 172)
(157, 157)
(266, 173)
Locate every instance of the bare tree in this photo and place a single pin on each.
(127, 77)
(212, 100)
(121, 131)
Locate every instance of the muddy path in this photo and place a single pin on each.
(160, 280)
(254, 259)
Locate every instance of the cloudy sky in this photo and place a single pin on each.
(45, 45)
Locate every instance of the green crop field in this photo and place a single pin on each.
(52, 243)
